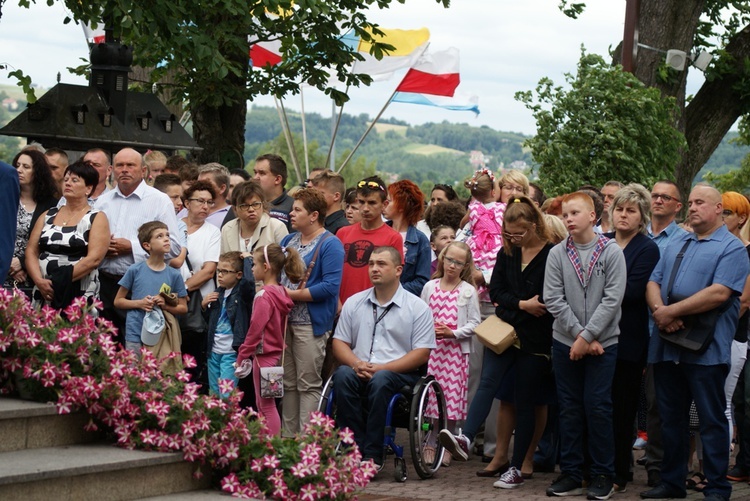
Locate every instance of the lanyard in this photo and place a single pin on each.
(377, 320)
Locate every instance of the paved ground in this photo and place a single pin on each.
(460, 483)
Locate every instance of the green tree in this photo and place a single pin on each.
(204, 44)
(721, 27)
(608, 125)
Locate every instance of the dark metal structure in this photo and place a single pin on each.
(104, 114)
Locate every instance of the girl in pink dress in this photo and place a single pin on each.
(453, 300)
(485, 219)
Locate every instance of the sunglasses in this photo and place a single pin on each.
(370, 184)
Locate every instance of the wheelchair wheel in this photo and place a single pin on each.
(423, 428)
(326, 403)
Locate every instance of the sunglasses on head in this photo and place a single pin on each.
(371, 184)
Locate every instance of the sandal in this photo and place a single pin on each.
(696, 481)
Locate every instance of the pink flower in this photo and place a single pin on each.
(232, 451)
(68, 336)
(308, 493)
(226, 386)
(347, 436)
(230, 483)
(271, 461)
(188, 361)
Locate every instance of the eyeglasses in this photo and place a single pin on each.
(452, 262)
(224, 272)
(209, 203)
(727, 212)
(510, 187)
(371, 184)
(255, 206)
(515, 236)
(665, 198)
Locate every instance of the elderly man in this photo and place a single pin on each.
(129, 205)
(383, 337)
(697, 273)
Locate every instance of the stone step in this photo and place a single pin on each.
(94, 472)
(31, 425)
(205, 495)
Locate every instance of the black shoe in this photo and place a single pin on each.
(654, 478)
(641, 461)
(565, 485)
(600, 488)
(663, 492)
(738, 474)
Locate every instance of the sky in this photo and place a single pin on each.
(506, 46)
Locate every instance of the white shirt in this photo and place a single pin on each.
(204, 245)
(127, 214)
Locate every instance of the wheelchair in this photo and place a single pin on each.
(406, 409)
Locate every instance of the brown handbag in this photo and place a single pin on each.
(496, 334)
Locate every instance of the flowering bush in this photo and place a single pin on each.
(70, 358)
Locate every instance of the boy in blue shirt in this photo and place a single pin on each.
(145, 280)
(229, 308)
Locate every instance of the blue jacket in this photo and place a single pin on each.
(239, 307)
(324, 282)
(417, 261)
(8, 216)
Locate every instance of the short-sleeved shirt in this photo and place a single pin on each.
(142, 281)
(407, 326)
(718, 259)
(358, 245)
(666, 236)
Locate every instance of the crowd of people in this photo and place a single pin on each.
(376, 284)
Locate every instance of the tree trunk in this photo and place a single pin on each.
(714, 109)
(220, 130)
(221, 133)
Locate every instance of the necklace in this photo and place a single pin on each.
(72, 215)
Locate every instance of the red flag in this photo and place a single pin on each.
(435, 73)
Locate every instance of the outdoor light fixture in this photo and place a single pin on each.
(677, 59)
(701, 60)
(79, 114)
(144, 120)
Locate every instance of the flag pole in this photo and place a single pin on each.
(304, 133)
(330, 159)
(287, 135)
(375, 120)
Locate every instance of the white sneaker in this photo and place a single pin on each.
(510, 479)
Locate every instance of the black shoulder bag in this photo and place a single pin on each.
(698, 329)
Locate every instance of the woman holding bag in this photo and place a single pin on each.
(516, 287)
(315, 301)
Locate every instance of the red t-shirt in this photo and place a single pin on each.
(358, 245)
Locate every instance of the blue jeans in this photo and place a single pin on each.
(361, 405)
(676, 385)
(584, 392)
(221, 366)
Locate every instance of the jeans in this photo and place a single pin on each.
(361, 405)
(584, 392)
(221, 366)
(676, 386)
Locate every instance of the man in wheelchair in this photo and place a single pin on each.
(384, 335)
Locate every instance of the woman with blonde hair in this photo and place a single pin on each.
(516, 287)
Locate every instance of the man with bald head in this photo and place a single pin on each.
(129, 205)
(698, 272)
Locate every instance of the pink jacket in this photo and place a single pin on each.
(271, 307)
